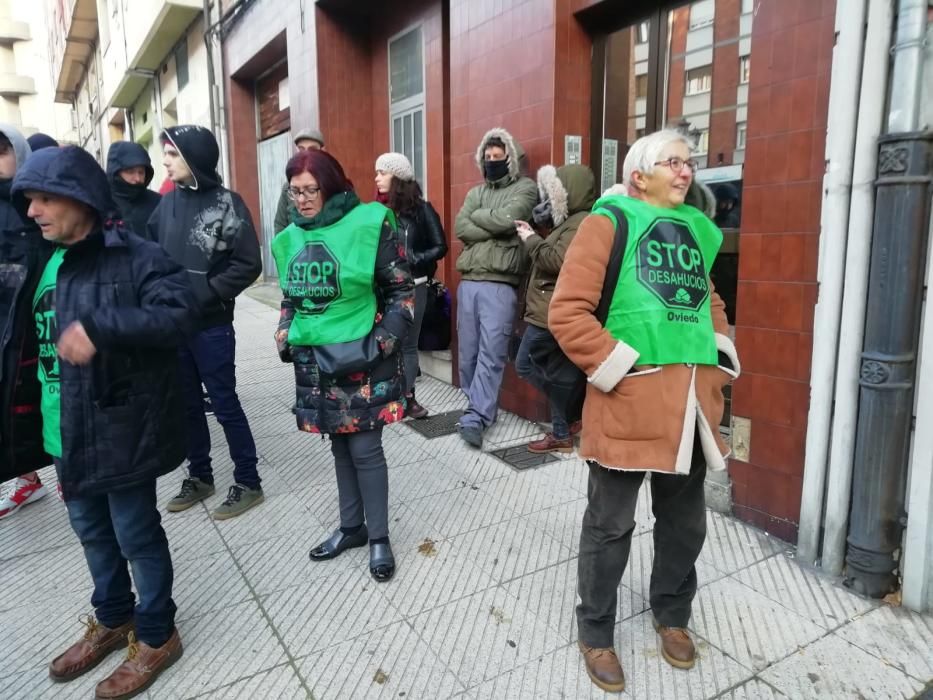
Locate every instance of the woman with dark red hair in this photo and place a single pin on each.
(348, 303)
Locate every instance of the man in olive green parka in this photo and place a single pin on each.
(492, 264)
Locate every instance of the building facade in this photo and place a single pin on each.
(579, 80)
(132, 68)
(27, 96)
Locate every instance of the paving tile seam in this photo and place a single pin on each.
(414, 630)
(822, 626)
(238, 681)
(559, 562)
(41, 550)
(534, 660)
(262, 609)
(728, 691)
(813, 578)
(408, 617)
(886, 662)
(742, 567)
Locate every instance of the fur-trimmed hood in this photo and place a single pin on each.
(698, 196)
(513, 151)
(570, 189)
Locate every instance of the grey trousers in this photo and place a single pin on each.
(362, 481)
(485, 314)
(678, 503)
(410, 346)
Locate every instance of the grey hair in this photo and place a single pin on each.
(646, 151)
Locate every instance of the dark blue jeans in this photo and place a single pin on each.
(528, 371)
(119, 527)
(208, 358)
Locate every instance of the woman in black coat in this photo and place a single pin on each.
(423, 236)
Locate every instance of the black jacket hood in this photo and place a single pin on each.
(69, 172)
(124, 155)
(199, 149)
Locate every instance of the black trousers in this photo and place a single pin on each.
(679, 506)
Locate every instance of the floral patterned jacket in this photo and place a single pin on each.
(362, 400)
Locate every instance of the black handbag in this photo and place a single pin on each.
(435, 326)
(341, 359)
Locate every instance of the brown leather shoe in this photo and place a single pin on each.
(576, 427)
(549, 443)
(676, 646)
(142, 666)
(603, 667)
(97, 643)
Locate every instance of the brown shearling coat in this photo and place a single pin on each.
(636, 417)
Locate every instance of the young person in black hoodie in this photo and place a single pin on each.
(209, 231)
(129, 170)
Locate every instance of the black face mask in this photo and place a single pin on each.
(122, 188)
(496, 169)
(5, 186)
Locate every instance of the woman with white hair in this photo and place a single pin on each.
(657, 354)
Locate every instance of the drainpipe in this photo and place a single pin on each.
(858, 256)
(892, 323)
(210, 64)
(837, 183)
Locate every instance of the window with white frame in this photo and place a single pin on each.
(745, 68)
(740, 135)
(407, 98)
(702, 13)
(641, 36)
(748, 6)
(699, 80)
(702, 142)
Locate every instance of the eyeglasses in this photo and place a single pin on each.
(677, 164)
(307, 192)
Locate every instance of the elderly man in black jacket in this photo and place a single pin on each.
(92, 310)
(209, 231)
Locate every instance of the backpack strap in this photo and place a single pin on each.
(614, 265)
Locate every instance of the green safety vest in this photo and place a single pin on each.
(43, 310)
(327, 273)
(661, 303)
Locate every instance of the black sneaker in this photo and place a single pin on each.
(193, 491)
(239, 500)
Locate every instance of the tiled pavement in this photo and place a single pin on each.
(482, 605)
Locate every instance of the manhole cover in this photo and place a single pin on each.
(520, 458)
(437, 425)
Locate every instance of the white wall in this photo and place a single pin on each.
(39, 112)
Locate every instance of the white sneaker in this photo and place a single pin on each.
(20, 494)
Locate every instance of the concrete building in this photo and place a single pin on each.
(27, 96)
(132, 68)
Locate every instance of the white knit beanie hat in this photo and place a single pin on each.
(396, 164)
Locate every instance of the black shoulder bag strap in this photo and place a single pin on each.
(614, 265)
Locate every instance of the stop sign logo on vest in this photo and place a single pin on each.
(671, 265)
(46, 333)
(314, 277)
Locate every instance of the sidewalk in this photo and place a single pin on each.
(482, 603)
